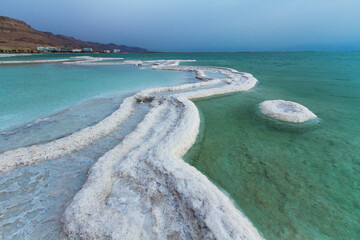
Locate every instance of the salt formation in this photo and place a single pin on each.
(142, 189)
(15, 54)
(286, 111)
(33, 61)
(72, 60)
(24, 156)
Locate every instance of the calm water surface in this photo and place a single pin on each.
(292, 181)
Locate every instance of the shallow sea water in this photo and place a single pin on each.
(292, 181)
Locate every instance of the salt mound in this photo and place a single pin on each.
(286, 111)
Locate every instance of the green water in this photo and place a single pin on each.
(292, 182)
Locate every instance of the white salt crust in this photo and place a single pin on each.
(33, 61)
(14, 54)
(72, 60)
(286, 111)
(142, 189)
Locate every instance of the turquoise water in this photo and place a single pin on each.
(66, 98)
(30, 92)
(293, 182)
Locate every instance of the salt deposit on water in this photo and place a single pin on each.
(72, 60)
(142, 189)
(14, 54)
(286, 111)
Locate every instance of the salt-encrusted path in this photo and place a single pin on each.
(142, 189)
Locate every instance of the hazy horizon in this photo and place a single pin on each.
(202, 26)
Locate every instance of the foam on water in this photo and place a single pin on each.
(141, 188)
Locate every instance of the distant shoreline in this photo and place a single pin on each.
(17, 51)
(28, 51)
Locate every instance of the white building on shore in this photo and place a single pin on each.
(52, 49)
(41, 48)
(117, 50)
(76, 50)
(64, 49)
(88, 50)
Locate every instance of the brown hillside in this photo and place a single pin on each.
(16, 34)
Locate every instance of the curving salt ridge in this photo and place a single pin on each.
(286, 111)
(142, 189)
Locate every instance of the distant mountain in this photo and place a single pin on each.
(16, 34)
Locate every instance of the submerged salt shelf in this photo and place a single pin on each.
(286, 111)
(143, 181)
(60, 124)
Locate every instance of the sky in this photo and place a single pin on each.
(199, 25)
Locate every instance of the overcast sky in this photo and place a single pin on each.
(199, 25)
